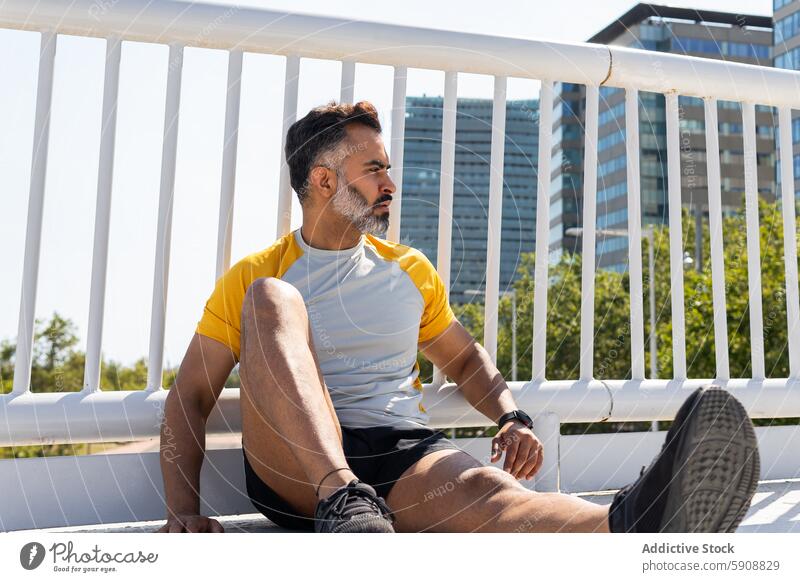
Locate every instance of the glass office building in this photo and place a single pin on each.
(786, 53)
(421, 175)
(733, 37)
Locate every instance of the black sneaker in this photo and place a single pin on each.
(354, 508)
(705, 476)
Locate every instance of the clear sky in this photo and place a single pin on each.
(66, 252)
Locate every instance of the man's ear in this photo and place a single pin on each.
(323, 180)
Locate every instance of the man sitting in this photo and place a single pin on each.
(325, 325)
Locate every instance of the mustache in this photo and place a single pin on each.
(382, 199)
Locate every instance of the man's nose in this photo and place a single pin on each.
(388, 187)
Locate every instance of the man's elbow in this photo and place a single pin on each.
(462, 368)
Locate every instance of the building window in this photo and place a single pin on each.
(729, 48)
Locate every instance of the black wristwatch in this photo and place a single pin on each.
(515, 415)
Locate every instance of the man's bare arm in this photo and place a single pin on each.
(201, 377)
(463, 359)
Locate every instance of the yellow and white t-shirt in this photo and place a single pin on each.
(369, 306)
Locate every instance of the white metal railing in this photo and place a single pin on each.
(93, 415)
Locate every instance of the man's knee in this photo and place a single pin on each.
(487, 482)
(267, 296)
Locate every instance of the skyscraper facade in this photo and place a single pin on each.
(421, 178)
(786, 55)
(717, 35)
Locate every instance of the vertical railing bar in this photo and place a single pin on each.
(494, 230)
(33, 231)
(348, 86)
(102, 217)
(675, 238)
(446, 177)
(715, 228)
(589, 232)
(753, 240)
(230, 146)
(634, 232)
(790, 239)
(396, 151)
(165, 206)
(291, 86)
(539, 350)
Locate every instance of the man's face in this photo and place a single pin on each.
(364, 189)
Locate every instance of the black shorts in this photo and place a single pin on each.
(377, 455)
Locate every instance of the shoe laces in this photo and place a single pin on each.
(350, 501)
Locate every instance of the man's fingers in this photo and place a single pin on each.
(175, 528)
(538, 463)
(496, 449)
(511, 455)
(216, 527)
(534, 456)
(523, 453)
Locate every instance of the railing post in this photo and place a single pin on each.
(291, 87)
(398, 140)
(790, 240)
(348, 82)
(589, 231)
(33, 229)
(542, 232)
(446, 177)
(166, 197)
(634, 232)
(494, 230)
(753, 241)
(547, 427)
(715, 232)
(229, 148)
(102, 216)
(675, 237)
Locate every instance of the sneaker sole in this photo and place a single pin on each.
(716, 467)
(362, 525)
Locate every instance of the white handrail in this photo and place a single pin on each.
(321, 37)
(107, 416)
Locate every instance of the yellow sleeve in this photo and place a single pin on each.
(437, 314)
(222, 314)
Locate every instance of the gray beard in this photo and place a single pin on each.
(354, 207)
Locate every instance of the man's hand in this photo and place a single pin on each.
(188, 523)
(524, 453)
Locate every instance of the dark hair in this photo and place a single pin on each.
(320, 132)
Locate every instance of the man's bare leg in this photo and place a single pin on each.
(451, 491)
(289, 427)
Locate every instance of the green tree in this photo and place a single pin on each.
(612, 347)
